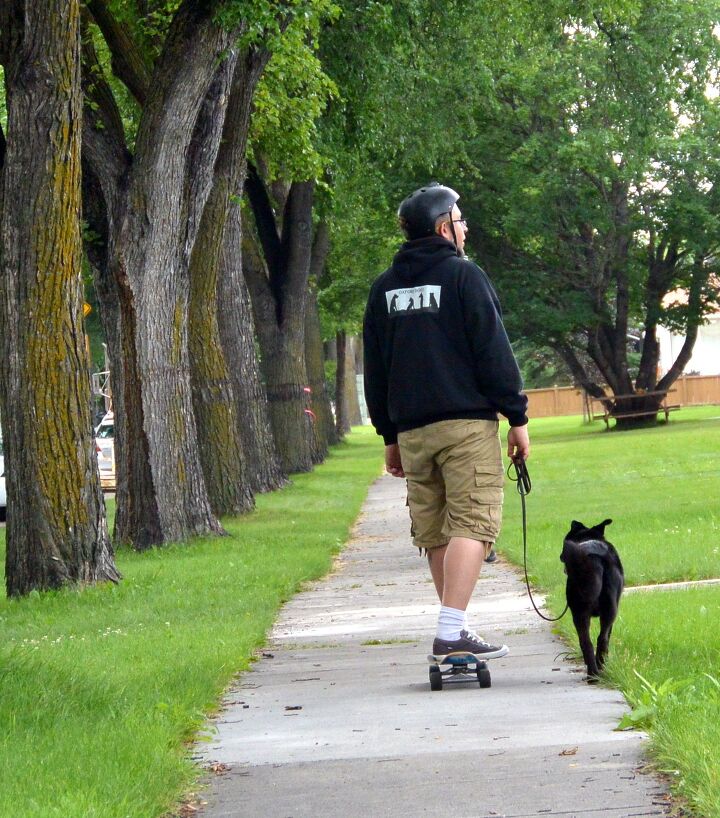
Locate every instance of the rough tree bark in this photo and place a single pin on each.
(150, 202)
(347, 407)
(237, 331)
(342, 419)
(150, 260)
(324, 433)
(277, 268)
(360, 372)
(698, 280)
(56, 525)
(214, 402)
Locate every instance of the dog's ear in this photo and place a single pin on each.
(575, 526)
(600, 527)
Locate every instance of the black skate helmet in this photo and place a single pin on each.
(421, 209)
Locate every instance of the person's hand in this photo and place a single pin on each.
(393, 464)
(518, 443)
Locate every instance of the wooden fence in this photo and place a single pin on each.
(690, 390)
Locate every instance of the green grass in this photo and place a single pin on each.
(103, 688)
(660, 487)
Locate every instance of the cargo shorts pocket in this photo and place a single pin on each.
(409, 508)
(486, 500)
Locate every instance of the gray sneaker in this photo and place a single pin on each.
(492, 556)
(469, 642)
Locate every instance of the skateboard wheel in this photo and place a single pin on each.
(483, 675)
(435, 678)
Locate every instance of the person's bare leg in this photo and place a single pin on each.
(463, 560)
(436, 557)
(455, 569)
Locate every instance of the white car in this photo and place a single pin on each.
(105, 447)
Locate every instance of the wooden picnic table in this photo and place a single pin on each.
(612, 406)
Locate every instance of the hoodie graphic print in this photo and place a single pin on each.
(411, 299)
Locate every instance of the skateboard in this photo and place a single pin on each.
(460, 666)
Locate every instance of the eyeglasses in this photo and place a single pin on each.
(459, 221)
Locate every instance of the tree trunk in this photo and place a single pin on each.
(351, 393)
(330, 349)
(603, 345)
(342, 417)
(213, 403)
(662, 260)
(213, 399)
(237, 333)
(277, 281)
(634, 412)
(149, 256)
(620, 265)
(152, 203)
(323, 421)
(283, 365)
(699, 278)
(580, 375)
(346, 396)
(56, 525)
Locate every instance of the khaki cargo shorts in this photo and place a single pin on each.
(455, 481)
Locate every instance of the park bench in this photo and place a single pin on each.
(605, 414)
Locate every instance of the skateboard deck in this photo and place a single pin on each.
(459, 666)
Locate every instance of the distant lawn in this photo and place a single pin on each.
(101, 689)
(660, 486)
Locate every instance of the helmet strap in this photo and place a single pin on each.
(454, 234)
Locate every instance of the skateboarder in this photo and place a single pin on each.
(434, 383)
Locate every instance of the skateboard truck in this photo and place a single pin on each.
(457, 667)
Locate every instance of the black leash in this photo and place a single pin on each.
(524, 487)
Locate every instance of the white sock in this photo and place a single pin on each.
(450, 622)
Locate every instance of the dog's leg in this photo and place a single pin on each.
(582, 626)
(608, 612)
(603, 642)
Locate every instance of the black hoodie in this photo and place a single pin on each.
(435, 345)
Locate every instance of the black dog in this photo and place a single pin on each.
(595, 580)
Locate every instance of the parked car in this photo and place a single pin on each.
(105, 447)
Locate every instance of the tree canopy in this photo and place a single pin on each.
(582, 140)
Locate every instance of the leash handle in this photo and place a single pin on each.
(524, 487)
(522, 476)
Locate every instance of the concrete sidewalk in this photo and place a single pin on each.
(337, 718)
